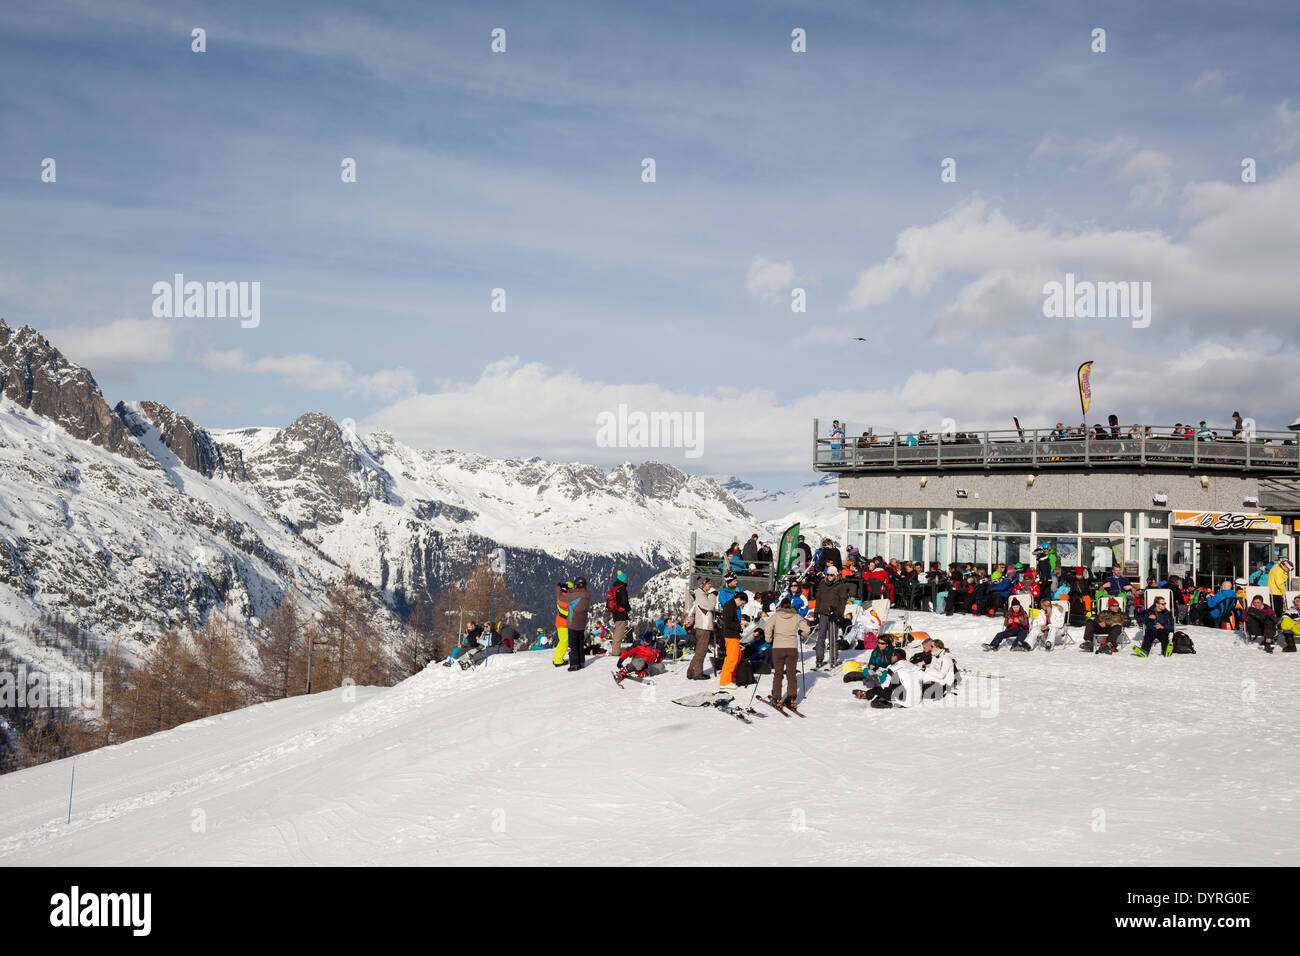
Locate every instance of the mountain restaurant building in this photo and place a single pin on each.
(1201, 509)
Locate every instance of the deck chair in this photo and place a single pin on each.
(1066, 637)
(881, 607)
(1253, 591)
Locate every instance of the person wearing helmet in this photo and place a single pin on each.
(579, 605)
(616, 603)
(540, 637)
(1101, 634)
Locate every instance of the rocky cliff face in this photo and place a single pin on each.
(132, 519)
(36, 376)
(193, 445)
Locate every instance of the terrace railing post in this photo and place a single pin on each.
(814, 441)
(1196, 448)
(1087, 446)
(1246, 438)
(1142, 440)
(1033, 437)
(895, 450)
(984, 441)
(938, 450)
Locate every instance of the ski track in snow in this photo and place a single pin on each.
(1191, 759)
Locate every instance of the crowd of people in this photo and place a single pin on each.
(827, 600)
(1113, 430)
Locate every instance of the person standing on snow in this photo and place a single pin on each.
(832, 595)
(784, 629)
(617, 603)
(561, 622)
(1279, 576)
(579, 606)
(731, 628)
(703, 605)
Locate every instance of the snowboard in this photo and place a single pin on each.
(707, 699)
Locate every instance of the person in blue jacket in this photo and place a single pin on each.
(797, 600)
(1000, 590)
(1116, 584)
(1157, 625)
(1222, 602)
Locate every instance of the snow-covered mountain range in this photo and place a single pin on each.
(129, 519)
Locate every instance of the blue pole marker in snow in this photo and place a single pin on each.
(70, 786)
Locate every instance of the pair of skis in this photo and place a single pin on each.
(785, 710)
(633, 677)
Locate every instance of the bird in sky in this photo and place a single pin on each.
(859, 339)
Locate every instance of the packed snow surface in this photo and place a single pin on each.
(1066, 759)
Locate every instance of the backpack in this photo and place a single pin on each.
(611, 600)
(744, 674)
(1183, 643)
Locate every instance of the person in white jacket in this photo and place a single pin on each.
(902, 687)
(1048, 625)
(939, 676)
(704, 602)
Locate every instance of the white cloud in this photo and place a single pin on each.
(525, 409)
(1211, 81)
(1148, 169)
(770, 281)
(117, 348)
(315, 372)
(1234, 267)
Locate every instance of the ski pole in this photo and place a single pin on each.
(70, 786)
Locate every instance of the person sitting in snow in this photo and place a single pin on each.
(902, 687)
(636, 661)
(940, 673)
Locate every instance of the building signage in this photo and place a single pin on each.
(1226, 521)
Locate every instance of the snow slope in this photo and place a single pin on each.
(1070, 759)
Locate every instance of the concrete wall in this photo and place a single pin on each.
(1095, 489)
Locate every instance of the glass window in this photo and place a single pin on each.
(1011, 521)
(857, 518)
(963, 548)
(939, 549)
(1058, 522)
(875, 544)
(875, 519)
(1154, 560)
(939, 520)
(1099, 553)
(896, 546)
(1157, 520)
(1103, 522)
(1012, 549)
(1067, 552)
(970, 520)
(856, 539)
(907, 519)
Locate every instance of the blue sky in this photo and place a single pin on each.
(775, 170)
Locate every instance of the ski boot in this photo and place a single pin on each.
(1169, 649)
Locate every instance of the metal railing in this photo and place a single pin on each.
(1274, 452)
